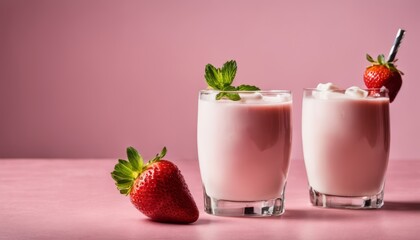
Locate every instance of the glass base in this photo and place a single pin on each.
(265, 208)
(332, 201)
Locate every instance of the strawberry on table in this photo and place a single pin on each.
(157, 189)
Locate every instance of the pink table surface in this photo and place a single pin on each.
(76, 199)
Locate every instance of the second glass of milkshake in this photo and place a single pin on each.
(244, 151)
(346, 140)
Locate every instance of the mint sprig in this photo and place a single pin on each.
(222, 78)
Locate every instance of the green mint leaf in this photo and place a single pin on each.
(244, 87)
(220, 95)
(229, 88)
(222, 79)
(213, 77)
(231, 96)
(135, 159)
(229, 72)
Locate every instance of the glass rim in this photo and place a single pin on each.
(385, 90)
(254, 91)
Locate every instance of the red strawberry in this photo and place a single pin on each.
(157, 189)
(383, 74)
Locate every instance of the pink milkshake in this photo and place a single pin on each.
(346, 142)
(244, 152)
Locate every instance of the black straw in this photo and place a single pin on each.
(397, 42)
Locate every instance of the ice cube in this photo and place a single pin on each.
(356, 92)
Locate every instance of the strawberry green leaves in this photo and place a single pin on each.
(382, 61)
(222, 78)
(124, 176)
(369, 58)
(125, 172)
(158, 156)
(134, 158)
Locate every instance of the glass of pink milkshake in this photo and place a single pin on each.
(346, 141)
(244, 151)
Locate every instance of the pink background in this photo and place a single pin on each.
(87, 78)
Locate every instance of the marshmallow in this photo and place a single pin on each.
(329, 91)
(250, 97)
(356, 92)
(326, 87)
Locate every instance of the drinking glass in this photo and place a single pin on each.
(346, 143)
(244, 151)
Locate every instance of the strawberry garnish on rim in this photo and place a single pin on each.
(157, 189)
(384, 73)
